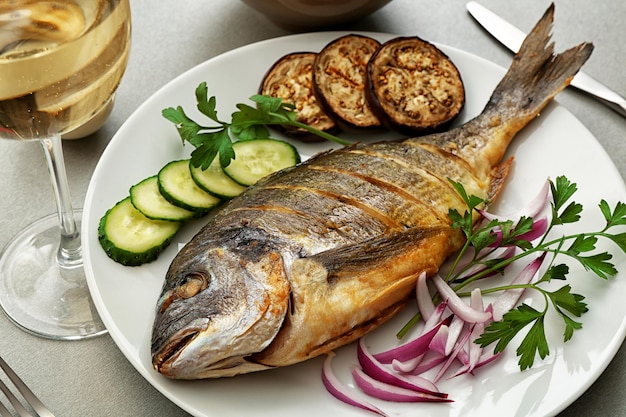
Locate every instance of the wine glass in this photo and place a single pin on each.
(60, 64)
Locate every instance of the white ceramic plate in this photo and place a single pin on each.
(554, 144)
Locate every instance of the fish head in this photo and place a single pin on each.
(221, 302)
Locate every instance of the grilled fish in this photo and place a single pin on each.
(316, 256)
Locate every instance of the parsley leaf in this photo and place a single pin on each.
(562, 191)
(598, 264)
(187, 128)
(563, 299)
(464, 222)
(615, 218)
(502, 332)
(534, 343)
(247, 123)
(555, 272)
(206, 104)
(619, 240)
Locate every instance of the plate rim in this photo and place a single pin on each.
(122, 343)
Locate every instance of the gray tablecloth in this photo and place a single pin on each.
(93, 378)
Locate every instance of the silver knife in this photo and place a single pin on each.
(512, 38)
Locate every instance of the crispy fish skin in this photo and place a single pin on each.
(316, 256)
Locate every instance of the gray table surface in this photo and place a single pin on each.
(93, 378)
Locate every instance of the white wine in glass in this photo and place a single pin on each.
(60, 64)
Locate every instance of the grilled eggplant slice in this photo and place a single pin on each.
(339, 80)
(291, 78)
(413, 86)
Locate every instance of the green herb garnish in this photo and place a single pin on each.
(247, 123)
(567, 304)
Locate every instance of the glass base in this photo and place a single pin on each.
(40, 296)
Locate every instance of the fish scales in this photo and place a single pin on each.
(278, 222)
(426, 183)
(319, 207)
(316, 256)
(383, 198)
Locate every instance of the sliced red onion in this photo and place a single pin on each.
(485, 359)
(457, 305)
(453, 355)
(436, 318)
(470, 356)
(378, 371)
(454, 331)
(427, 364)
(438, 343)
(462, 354)
(509, 298)
(411, 349)
(475, 351)
(424, 300)
(388, 392)
(408, 365)
(342, 392)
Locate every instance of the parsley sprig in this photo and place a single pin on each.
(247, 123)
(569, 306)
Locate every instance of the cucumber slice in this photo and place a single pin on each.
(255, 159)
(147, 198)
(130, 238)
(214, 181)
(177, 186)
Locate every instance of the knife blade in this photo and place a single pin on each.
(512, 38)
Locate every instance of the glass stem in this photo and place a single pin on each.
(69, 253)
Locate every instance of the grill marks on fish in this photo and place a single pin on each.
(425, 183)
(383, 196)
(393, 179)
(380, 189)
(283, 211)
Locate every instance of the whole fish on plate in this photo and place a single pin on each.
(314, 257)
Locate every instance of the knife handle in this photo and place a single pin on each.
(590, 85)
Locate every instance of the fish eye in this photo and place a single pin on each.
(191, 284)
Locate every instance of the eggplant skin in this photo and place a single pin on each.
(339, 81)
(291, 79)
(413, 87)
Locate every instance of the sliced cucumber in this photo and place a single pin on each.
(177, 186)
(147, 198)
(130, 238)
(255, 159)
(214, 181)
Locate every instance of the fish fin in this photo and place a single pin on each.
(536, 74)
(498, 178)
(346, 261)
(343, 293)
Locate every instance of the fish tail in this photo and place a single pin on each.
(537, 74)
